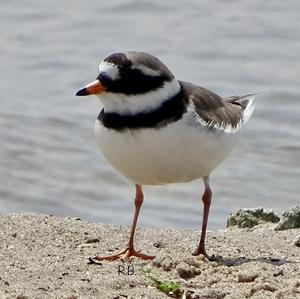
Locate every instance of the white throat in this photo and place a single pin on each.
(132, 104)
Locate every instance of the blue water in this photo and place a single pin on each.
(49, 161)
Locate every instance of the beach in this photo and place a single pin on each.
(50, 162)
(43, 256)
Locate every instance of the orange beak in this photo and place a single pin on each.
(93, 88)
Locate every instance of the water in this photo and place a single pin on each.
(49, 161)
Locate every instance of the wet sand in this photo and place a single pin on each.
(47, 257)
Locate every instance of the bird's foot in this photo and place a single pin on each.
(123, 255)
(202, 251)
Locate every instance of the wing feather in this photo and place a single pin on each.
(212, 110)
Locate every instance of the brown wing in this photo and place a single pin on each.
(211, 108)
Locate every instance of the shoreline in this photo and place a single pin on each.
(44, 256)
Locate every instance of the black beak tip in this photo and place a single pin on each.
(82, 92)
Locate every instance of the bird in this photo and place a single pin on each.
(156, 130)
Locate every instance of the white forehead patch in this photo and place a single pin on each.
(146, 70)
(109, 69)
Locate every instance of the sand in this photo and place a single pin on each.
(47, 257)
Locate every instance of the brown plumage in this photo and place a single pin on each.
(212, 109)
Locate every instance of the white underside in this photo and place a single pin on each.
(179, 152)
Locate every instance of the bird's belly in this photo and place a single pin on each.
(175, 153)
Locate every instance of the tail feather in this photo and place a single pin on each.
(247, 102)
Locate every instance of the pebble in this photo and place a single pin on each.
(248, 218)
(296, 241)
(278, 273)
(289, 219)
(188, 294)
(92, 240)
(159, 244)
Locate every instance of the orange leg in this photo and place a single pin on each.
(129, 251)
(206, 199)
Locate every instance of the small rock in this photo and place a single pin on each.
(296, 241)
(289, 219)
(247, 218)
(278, 273)
(14, 236)
(92, 240)
(242, 219)
(188, 294)
(247, 277)
(159, 244)
(206, 294)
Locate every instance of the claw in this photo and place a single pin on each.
(123, 255)
(203, 252)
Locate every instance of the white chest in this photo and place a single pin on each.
(179, 152)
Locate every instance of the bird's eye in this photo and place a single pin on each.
(105, 79)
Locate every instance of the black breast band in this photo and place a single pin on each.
(169, 111)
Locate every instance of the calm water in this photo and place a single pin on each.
(49, 161)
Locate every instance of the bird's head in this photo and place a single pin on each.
(131, 82)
